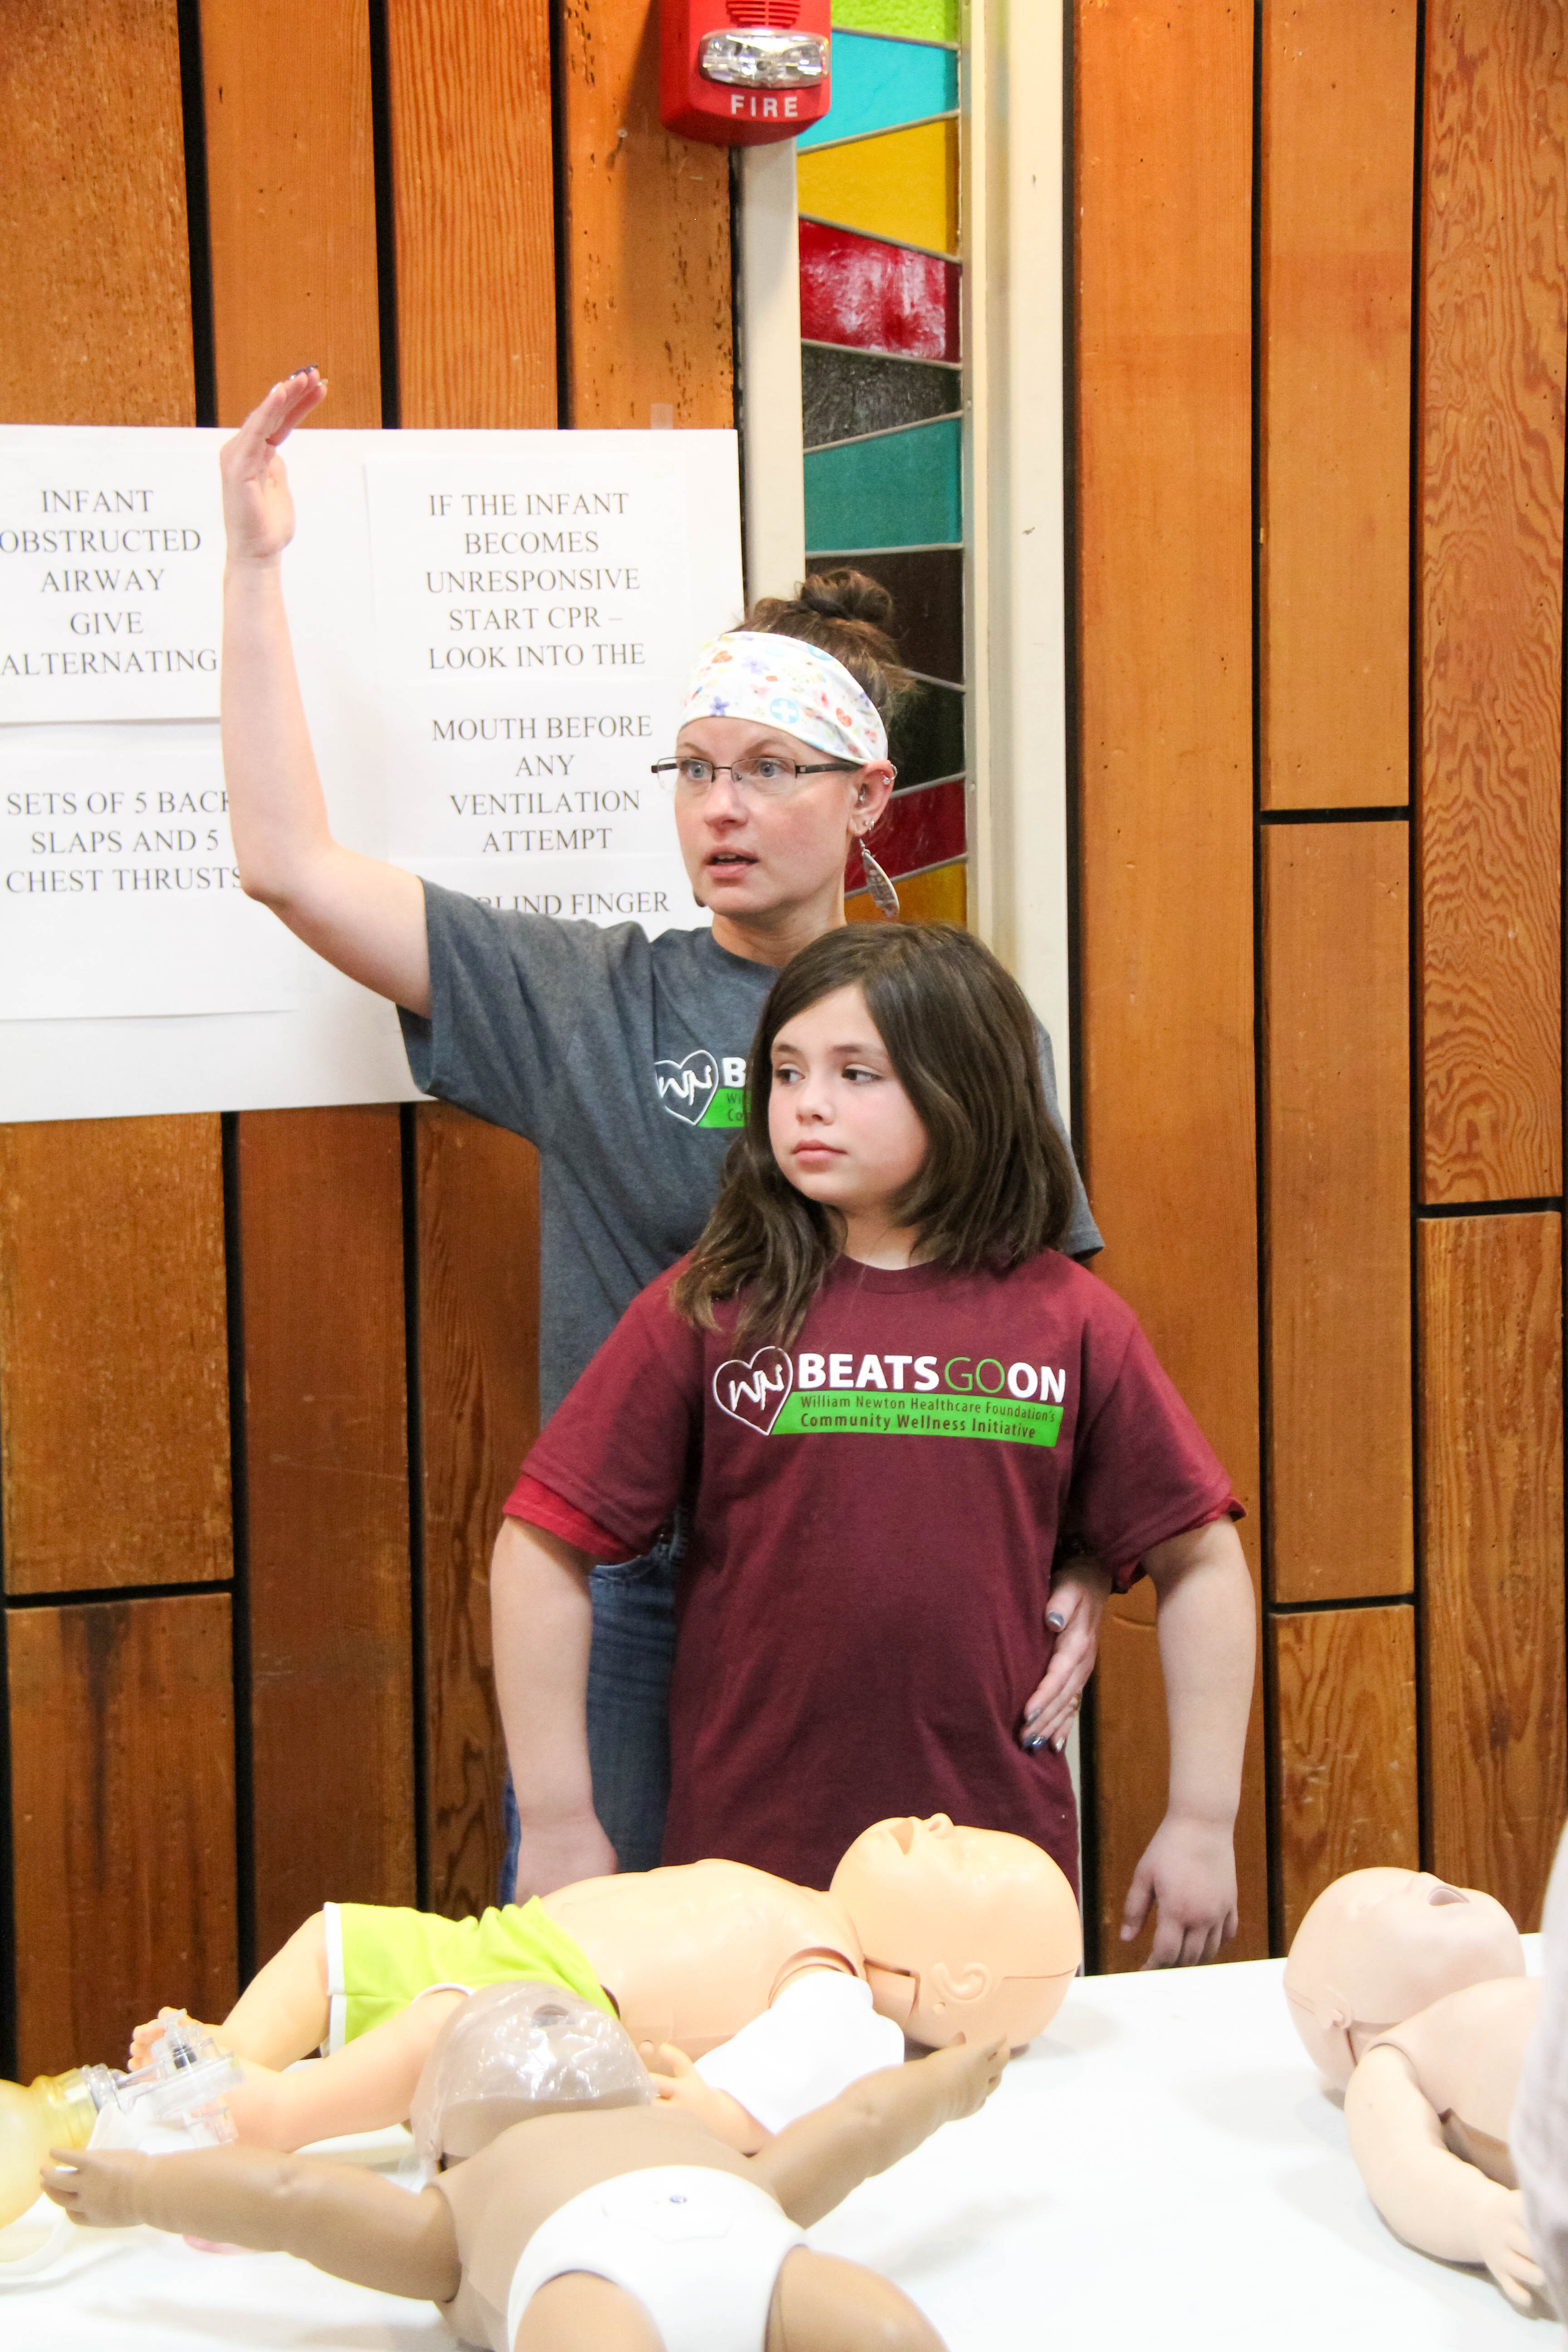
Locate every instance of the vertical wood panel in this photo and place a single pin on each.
(1164, 123)
(113, 1354)
(320, 1248)
(1491, 1480)
(1345, 1683)
(473, 201)
(290, 175)
(479, 1380)
(1338, 139)
(125, 1861)
(1337, 940)
(291, 195)
(95, 297)
(647, 234)
(474, 195)
(1494, 350)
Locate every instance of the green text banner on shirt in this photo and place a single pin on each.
(493, 633)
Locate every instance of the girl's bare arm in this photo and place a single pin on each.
(348, 2221)
(542, 1623)
(362, 915)
(1207, 1615)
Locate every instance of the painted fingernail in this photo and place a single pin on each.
(1054, 1622)
(1038, 1741)
(1061, 1743)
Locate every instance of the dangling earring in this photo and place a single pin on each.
(884, 898)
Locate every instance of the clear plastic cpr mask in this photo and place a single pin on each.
(517, 2050)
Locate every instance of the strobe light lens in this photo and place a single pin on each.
(764, 60)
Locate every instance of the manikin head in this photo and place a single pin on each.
(515, 2051)
(1379, 1945)
(966, 1933)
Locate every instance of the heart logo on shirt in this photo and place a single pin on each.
(686, 1088)
(755, 1392)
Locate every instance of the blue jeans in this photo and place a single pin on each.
(628, 1709)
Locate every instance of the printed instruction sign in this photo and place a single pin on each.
(135, 976)
(110, 569)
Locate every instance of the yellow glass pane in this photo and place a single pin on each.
(903, 184)
(940, 894)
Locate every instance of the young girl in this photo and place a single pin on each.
(883, 1394)
(603, 1047)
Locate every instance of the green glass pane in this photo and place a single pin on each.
(913, 20)
(900, 489)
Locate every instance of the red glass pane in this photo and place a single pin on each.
(921, 828)
(876, 297)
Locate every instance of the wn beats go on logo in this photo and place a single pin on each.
(702, 1092)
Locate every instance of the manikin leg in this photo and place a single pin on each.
(282, 2013)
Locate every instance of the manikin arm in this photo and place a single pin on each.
(1206, 1616)
(361, 914)
(349, 2222)
(542, 1623)
(814, 2164)
(1427, 2194)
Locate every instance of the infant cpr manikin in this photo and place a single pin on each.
(601, 2222)
(782, 1995)
(1410, 1995)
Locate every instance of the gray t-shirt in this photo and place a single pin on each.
(623, 1060)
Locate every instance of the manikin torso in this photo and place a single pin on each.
(1466, 2052)
(501, 2196)
(691, 1955)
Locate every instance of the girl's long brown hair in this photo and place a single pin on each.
(996, 1187)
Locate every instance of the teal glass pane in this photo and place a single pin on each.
(847, 392)
(900, 489)
(877, 84)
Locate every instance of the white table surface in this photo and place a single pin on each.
(1160, 2171)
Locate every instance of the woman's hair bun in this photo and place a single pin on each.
(846, 596)
(848, 614)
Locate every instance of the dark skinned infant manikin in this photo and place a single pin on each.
(572, 2211)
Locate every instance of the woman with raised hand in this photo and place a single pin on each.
(622, 1058)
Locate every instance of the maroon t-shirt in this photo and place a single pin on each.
(874, 1513)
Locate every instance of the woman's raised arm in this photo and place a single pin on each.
(365, 916)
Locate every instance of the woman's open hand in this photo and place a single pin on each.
(258, 511)
(1073, 1612)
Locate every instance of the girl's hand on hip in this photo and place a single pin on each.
(1073, 1612)
(1188, 1870)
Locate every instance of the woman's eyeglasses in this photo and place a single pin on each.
(769, 774)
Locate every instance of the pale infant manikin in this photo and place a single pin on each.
(782, 1995)
(576, 2213)
(1410, 1995)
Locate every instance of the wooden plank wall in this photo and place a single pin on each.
(1336, 742)
(265, 1379)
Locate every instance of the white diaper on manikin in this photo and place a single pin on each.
(700, 2250)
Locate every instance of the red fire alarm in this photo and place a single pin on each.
(740, 72)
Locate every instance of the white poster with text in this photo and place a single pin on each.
(483, 715)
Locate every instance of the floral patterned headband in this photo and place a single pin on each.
(783, 682)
